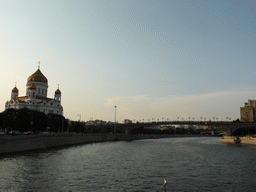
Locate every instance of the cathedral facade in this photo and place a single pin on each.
(36, 96)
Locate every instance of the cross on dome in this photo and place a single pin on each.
(15, 88)
(38, 76)
(58, 91)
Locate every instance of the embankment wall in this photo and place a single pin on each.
(10, 144)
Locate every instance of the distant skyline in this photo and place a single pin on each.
(151, 59)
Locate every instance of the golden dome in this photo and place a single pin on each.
(58, 91)
(38, 77)
(32, 86)
(15, 90)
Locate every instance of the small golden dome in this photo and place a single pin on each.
(33, 87)
(15, 90)
(58, 92)
(38, 77)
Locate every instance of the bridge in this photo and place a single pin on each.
(228, 126)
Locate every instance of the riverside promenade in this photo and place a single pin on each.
(243, 140)
(10, 144)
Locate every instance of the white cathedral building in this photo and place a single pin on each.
(36, 96)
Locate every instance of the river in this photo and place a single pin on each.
(188, 164)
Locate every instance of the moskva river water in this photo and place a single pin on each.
(188, 164)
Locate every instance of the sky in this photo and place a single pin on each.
(151, 59)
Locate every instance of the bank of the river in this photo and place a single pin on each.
(242, 140)
(9, 144)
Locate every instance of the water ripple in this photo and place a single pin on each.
(188, 164)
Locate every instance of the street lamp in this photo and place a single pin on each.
(115, 114)
(79, 122)
(79, 117)
(115, 121)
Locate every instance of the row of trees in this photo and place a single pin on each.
(243, 131)
(29, 120)
(24, 120)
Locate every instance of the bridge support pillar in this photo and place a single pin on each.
(229, 131)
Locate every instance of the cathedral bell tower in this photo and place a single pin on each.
(57, 95)
(15, 93)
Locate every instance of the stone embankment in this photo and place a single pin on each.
(242, 140)
(9, 144)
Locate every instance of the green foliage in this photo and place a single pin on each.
(243, 131)
(30, 120)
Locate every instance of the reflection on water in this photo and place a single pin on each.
(188, 164)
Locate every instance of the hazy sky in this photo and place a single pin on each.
(151, 59)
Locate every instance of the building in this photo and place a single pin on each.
(36, 96)
(247, 113)
(166, 127)
(96, 122)
(127, 121)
